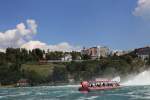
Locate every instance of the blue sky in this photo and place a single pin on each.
(81, 22)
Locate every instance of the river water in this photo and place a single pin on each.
(136, 87)
(72, 93)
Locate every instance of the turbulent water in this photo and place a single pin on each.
(142, 78)
(72, 93)
(136, 87)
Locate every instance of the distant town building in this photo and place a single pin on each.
(78, 58)
(119, 52)
(96, 52)
(44, 56)
(143, 53)
(66, 57)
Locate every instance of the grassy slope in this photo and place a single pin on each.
(43, 70)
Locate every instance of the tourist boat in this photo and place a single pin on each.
(102, 84)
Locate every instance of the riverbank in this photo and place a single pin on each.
(7, 86)
(46, 84)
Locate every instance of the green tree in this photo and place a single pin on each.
(37, 54)
(60, 74)
(75, 55)
(56, 55)
(86, 57)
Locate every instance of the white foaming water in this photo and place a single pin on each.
(117, 79)
(142, 78)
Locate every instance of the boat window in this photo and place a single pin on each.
(110, 84)
(113, 84)
(98, 84)
(117, 84)
(89, 85)
(92, 84)
(103, 84)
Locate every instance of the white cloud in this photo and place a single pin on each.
(142, 9)
(64, 46)
(21, 36)
(32, 25)
(34, 44)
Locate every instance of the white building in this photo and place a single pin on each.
(143, 53)
(120, 52)
(66, 57)
(96, 52)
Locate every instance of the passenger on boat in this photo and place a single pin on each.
(103, 84)
(98, 84)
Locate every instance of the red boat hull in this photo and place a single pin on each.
(98, 85)
(96, 88)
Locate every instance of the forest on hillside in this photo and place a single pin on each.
(17, 63)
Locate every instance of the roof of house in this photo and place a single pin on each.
(143, 51)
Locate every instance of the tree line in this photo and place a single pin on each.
(12, 60)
